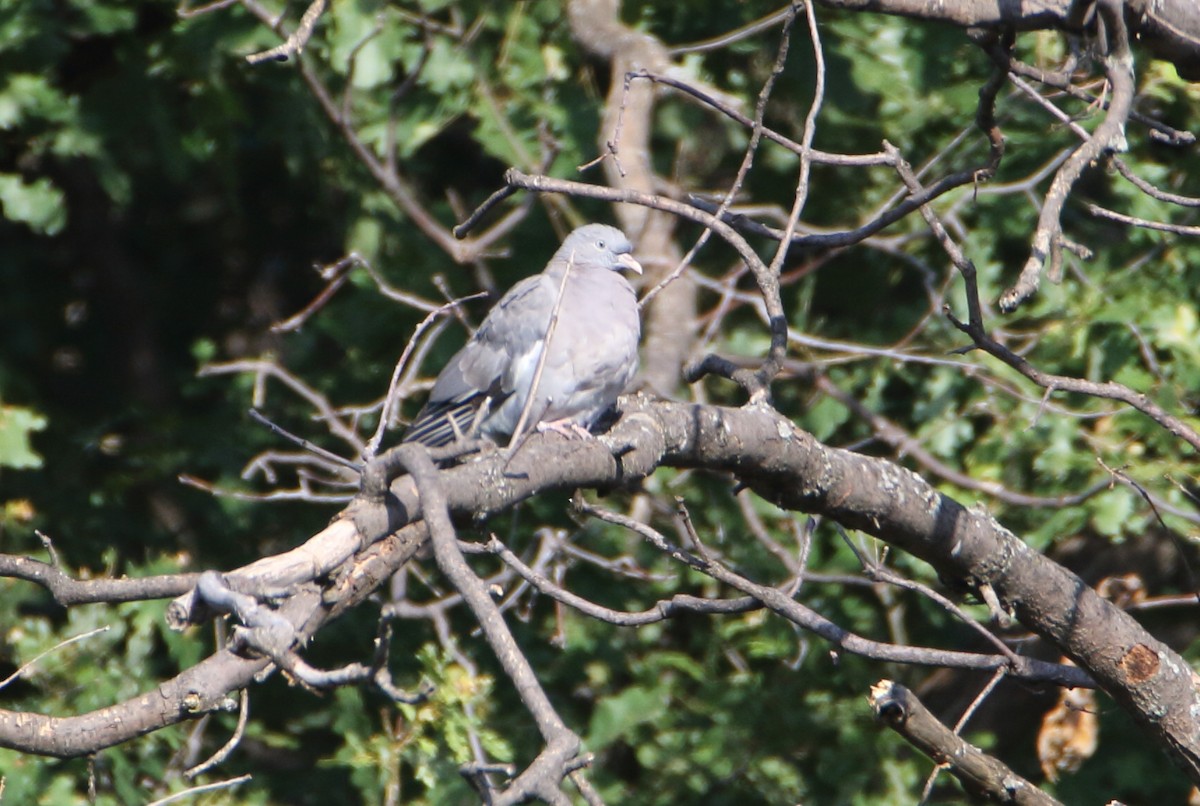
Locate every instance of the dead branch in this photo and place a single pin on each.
(782, 602)
(1109, 137)
(981, 774)
(295, 42)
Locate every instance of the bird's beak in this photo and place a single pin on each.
(627, 260)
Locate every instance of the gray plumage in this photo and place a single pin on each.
(592, 355)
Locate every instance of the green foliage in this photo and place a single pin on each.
(40, 205)
(415, 753)
(16, 425)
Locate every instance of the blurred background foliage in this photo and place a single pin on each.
(164, 203)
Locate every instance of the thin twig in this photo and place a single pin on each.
(29, 664)
(756, 133)
(197, 790)
(738, 34)
(1174, 229)
(184, 12)
(229, 746)
(294, 44)
(280, 431)
(264, 369)
(391, 399)
(782, 603)
(876, 570)
(1109, 136)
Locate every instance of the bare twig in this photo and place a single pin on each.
(743, 170)
(278, 430)
(227, 749)
(877, 571)
(515, 441)
(781, 602)
(810, 130)
(1062, 80)
(1108, 390)
(662, 610)
(68, 591)
(294, 45)
(25, 667)
(198, 790)
(1108, 137)
(335, 276)
(304, 492)
(907, 445)
(184, 12)
(1151, 190)
(818, 157)
(737, 35)
(391, 399)
(1174, 229)
(264, 369)
(468, 224)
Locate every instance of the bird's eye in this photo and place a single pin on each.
(600, 244)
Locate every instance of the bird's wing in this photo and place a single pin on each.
(491, 366)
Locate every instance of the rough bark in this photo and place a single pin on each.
(982, 775)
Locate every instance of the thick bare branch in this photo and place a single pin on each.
(68, 591)
(793, 470)
(981, 774)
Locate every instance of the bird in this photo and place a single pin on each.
(590, 357)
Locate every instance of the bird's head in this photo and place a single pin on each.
(599, 245)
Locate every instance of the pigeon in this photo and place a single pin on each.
(591, 357)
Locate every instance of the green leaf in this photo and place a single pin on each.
(25, 96)
(824, 417)
(16, 424)
(103, 18)
(617, 716)
(40, 205)
(1112, 511)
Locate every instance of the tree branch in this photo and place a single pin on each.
(981, 774)
(762, 450)
(1108, 137)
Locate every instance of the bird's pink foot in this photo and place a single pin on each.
(565, 427)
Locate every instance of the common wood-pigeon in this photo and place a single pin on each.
(591, 358)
